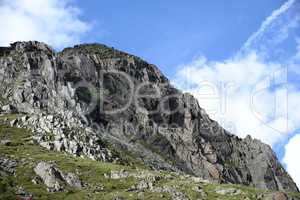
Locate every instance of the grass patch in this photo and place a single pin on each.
(93, 173)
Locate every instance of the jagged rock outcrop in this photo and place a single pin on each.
(49, 175)
(54, 179)
(128, 102)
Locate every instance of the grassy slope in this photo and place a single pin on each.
(91, 172)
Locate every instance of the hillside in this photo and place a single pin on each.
(99, 180)
(112, 118)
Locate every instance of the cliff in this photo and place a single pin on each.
(92, 100)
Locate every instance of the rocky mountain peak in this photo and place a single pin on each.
(31, 46)
(91, 95)
(101, 50)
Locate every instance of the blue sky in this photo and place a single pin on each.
(168, 33)
(201, 46)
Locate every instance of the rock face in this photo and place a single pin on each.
(113, 96)
(50, 176)
(53, 178)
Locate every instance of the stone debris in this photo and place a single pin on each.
(20, 191)
(200, 190)
(228, 191)
(174, 192)
(119, 174)
(69, 135)
(7, 165)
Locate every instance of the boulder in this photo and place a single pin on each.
(72, 180)
(8, 109)
(54, 179)
(228, 191)
(119, 174)
(50, 176)
(5, 142)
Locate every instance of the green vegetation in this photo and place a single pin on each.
(93, 173)
(103, 51)
(83, 94)
(8, 116)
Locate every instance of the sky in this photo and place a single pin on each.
(241, 59)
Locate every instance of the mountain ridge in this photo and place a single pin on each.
(80, 87)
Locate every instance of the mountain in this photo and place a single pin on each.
(97, 102)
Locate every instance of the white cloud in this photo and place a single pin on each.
(237, 91)
(55, 22)
(291, 158)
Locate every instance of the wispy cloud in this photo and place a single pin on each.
(55, 22)
(268, 22)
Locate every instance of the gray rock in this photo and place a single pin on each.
(176, 195)
(50, 176)
(200, 190)
(20, 191)
(54, 179)
(98, 188)
(259, 196)
(5, 142)
(8, 165)
(13, 122)
(72, 180)
(119, 174)
(37, 180)
(8, 109)
(74, 141)
(144, 184)
(228, 191)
